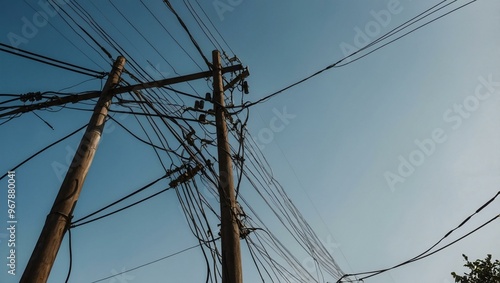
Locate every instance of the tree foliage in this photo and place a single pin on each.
(481, 271)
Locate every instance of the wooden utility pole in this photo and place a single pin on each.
(230, 231)
(59, 218)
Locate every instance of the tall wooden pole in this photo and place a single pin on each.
(230, 231)
(59, 218)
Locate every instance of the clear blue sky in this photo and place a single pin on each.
(344, 155)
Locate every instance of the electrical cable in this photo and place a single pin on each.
(163, 140)
(409, 32)
(87, 18)
(252, 254)
(150, 44)
(171, 36)
(154, 115)
(149, 263)
(10, 100)
(203, 10)
(423, 254)
(436, 251)
(323, 255)
(141, 34)
(46, 123)
(43, 149)
(51, 61)
(132, 62)
(201, 24)
(309, 198)
(197, 46)
(75, 85)
(70, 256)
(336, 64)
(8, 119)
(75, 223)
(137, 137)
(121, 209)
(426, 13)
(64, 36)
(82, 29)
